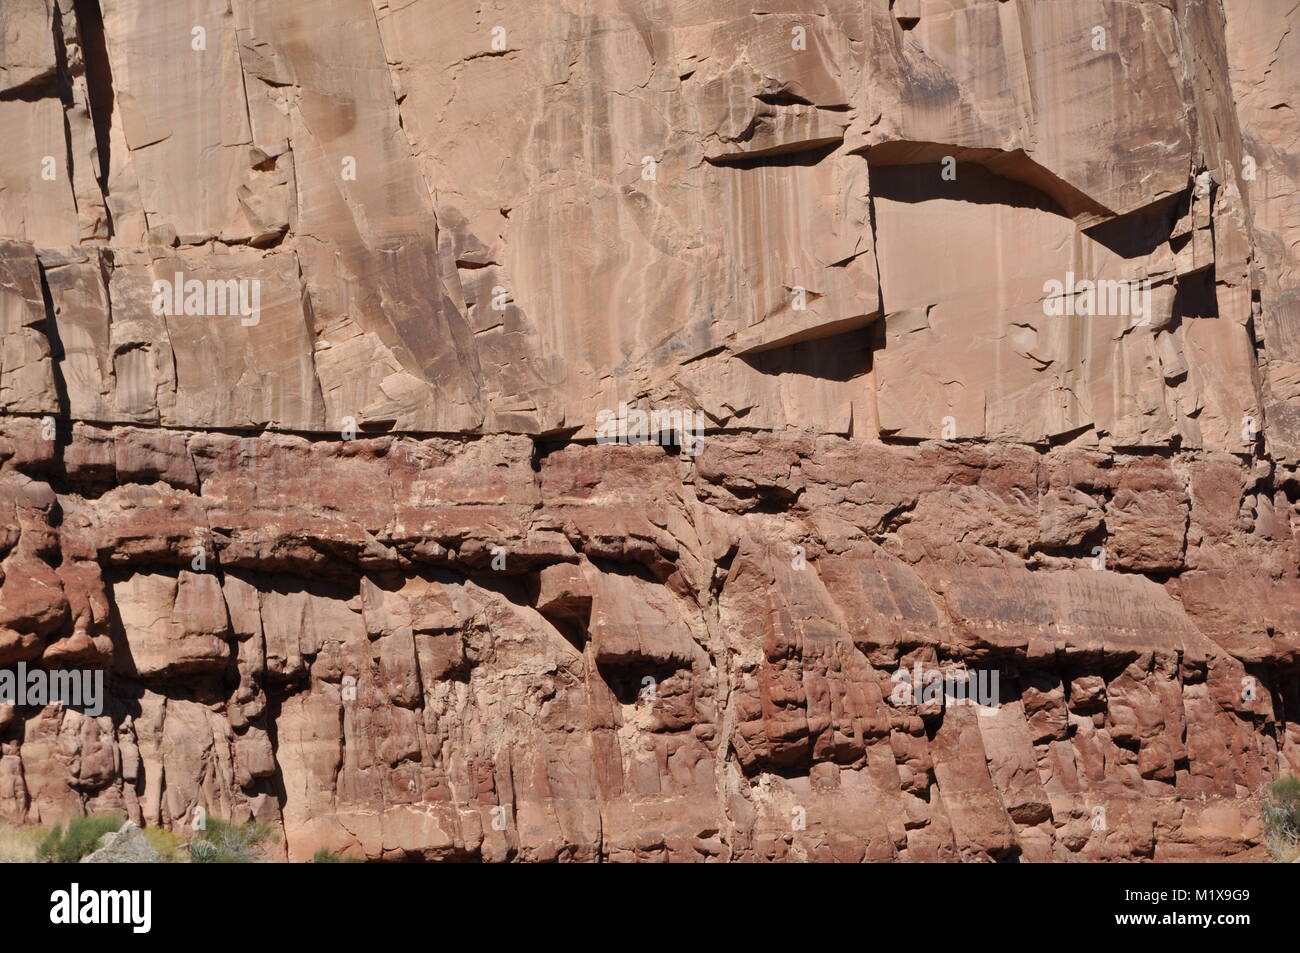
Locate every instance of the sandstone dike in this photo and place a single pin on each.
(315, 314)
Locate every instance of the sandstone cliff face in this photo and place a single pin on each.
(361, 567)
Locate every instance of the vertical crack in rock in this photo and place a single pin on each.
(99, 81)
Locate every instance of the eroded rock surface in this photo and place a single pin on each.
(342, 530)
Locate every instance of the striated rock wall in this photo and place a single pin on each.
(343, 525)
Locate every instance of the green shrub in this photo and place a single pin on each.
(326, 856)
(203, 852)
(1280, 807)
(81, 837)
(222, 842)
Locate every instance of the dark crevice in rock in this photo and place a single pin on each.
(802, 154)
(99, 81)
(1015, 166)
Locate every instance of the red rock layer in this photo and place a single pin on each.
(351, 666)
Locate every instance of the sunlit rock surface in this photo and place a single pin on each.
(313, 316)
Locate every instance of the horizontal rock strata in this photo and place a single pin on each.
(313, 317)
(639, 655)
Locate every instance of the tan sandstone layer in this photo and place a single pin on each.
(360, 568)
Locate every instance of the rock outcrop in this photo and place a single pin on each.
(127, 845)
(327, 329)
